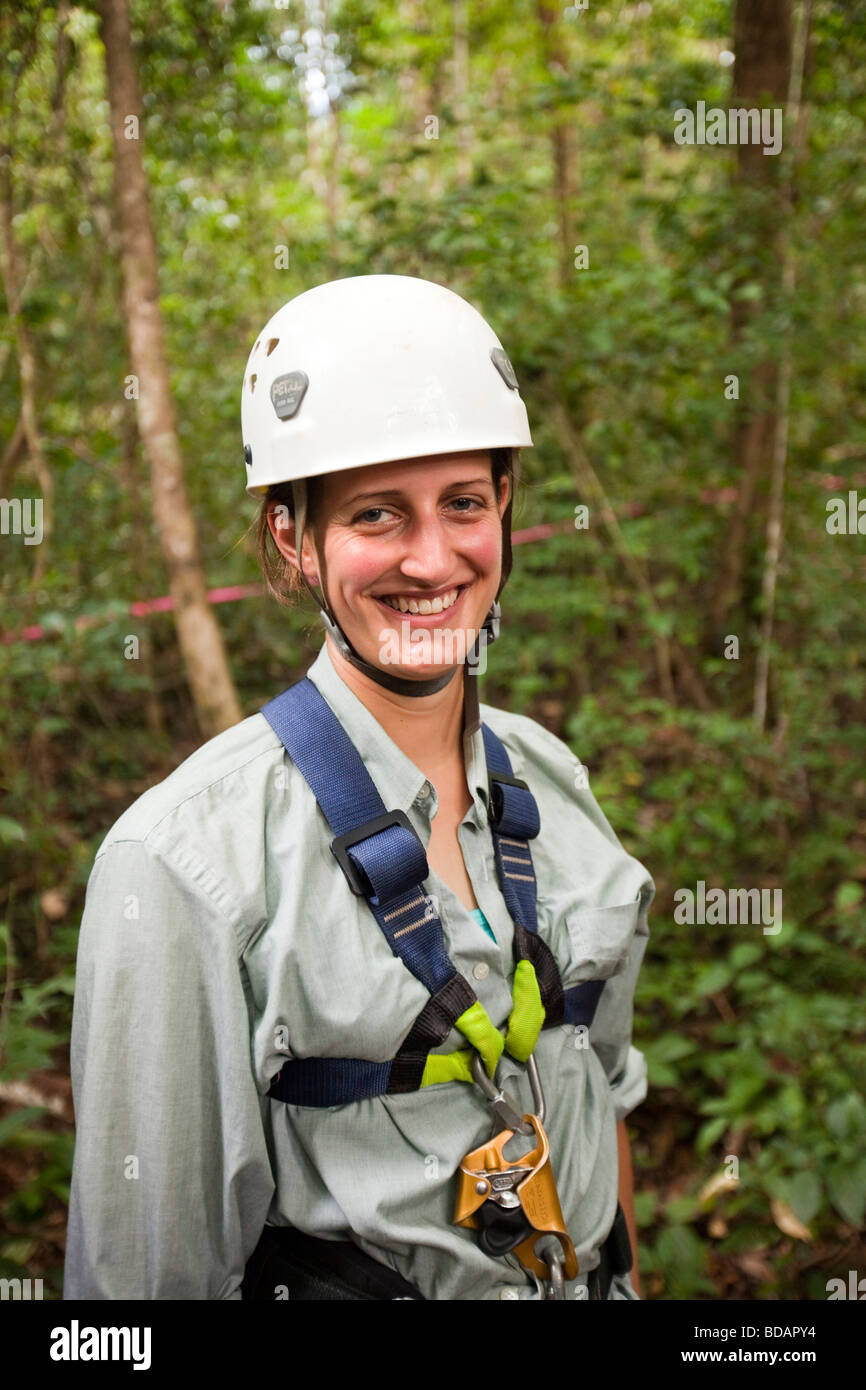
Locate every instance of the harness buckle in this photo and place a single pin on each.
(341, 844)
(494, 794)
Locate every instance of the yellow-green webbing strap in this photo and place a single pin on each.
(524, 1025)
(526, 1019)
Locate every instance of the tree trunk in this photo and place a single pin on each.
(773, 553)
(27, 431)
(762, 74)
(201, 644)
(562, 143)
(461, 92)
(139, 549)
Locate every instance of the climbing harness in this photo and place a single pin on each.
(384, 862)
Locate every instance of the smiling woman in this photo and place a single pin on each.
(364, 1029)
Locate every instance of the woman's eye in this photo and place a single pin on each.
(372, 515)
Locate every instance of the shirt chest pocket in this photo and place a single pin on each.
(597, 940)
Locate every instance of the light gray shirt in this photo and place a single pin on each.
(220, 939)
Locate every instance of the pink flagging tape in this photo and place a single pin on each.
(140, 609)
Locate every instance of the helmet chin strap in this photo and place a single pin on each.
(397, 684)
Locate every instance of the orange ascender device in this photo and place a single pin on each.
(513, 1203)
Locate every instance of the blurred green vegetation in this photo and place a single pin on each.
(756, 1044)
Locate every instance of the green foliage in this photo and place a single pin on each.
(755, 1043)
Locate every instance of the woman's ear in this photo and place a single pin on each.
(281, 525)
(504, 487)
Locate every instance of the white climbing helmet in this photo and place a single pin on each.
(371, 369)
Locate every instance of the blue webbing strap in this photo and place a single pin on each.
(392, 859)
(513, 821)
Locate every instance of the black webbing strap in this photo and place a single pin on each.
(430, 1028)
(287, 1264)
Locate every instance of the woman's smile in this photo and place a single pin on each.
(431, 605)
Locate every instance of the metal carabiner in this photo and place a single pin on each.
(551, 1252)
(508, 1114)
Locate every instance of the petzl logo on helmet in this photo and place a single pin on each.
(287, 392)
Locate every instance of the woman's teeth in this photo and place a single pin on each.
(422, 605)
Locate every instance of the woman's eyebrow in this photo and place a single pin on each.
(401, 492)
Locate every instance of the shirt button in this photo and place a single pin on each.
(424, 793)
(481, 970)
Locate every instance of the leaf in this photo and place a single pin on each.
(11, 831)
(714, 977)
(787, 1220)
(710, 1132)
(846, 1116)
(670, 1047)
(644, 1208)
(682, 1209)
(746, 953)
(718, 1184)
(847, 896)
(682, 1255)
(805, 1191)
(847, 1191)
(11, 1125)
(18, 1250)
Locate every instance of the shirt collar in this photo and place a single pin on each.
(399, 782)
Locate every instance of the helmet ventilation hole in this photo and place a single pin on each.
(252, 383)
(272, 343)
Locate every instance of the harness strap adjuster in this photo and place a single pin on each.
(510, 814)
(355, 875)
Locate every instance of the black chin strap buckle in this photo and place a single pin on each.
(493, 621)
(337, 633)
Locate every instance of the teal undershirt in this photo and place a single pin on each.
(482, 921)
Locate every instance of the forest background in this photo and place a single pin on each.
(686, 322)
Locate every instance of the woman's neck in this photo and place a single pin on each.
(427, 728)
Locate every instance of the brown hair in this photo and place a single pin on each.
(282, 578)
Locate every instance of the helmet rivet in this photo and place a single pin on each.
(504, 367)
(248, 456)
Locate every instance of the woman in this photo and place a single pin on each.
(307, 954)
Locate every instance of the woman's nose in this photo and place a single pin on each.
(429, 551)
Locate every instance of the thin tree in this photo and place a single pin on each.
(797, 111)
(562, 145)
(762, 75)
(213, 692)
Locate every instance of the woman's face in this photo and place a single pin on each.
(424, 531)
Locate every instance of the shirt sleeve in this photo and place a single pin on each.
(171, 1180)
(611, 1030)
